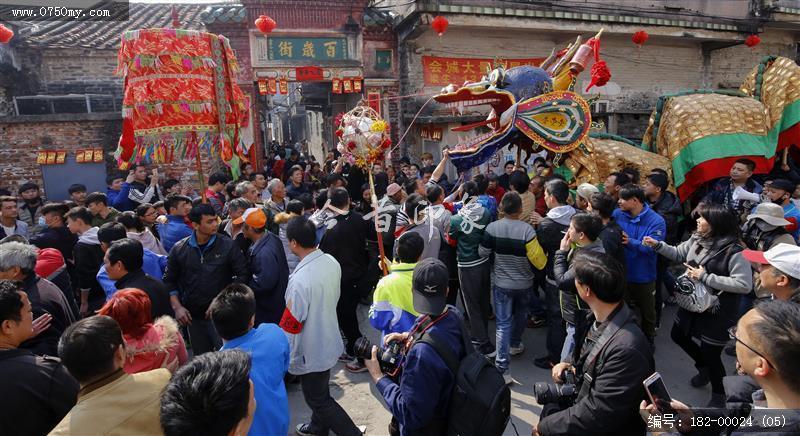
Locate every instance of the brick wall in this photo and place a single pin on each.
(22, 138)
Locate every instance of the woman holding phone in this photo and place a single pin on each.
(712, 256)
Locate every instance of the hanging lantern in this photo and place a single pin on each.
(440, 24)
(752, 41)
(5, 34)
(265, 24)
(640, 37)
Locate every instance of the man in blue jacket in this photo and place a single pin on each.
(638, 220)
(175, 229)
(118, 191)
(419, 402)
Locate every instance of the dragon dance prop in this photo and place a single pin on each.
(180, 97)
(702, 132)
(363, 141)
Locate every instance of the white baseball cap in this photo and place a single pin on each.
(784, 257)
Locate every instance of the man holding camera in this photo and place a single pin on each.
(418, 403)
(610, 361)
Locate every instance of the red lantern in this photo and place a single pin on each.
(752, 41)
(440, 24)
(640, 37)
(265, 24)
(5, 34)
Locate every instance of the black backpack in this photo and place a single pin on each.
(480, 403)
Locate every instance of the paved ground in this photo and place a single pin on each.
(358, 396)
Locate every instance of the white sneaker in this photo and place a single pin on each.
(507, 378)
(516, 351)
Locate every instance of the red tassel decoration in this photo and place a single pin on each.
(600, 74)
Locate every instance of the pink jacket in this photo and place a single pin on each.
(160, 347)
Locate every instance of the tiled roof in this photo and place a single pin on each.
(106, 34)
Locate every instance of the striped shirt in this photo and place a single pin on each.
(515, 248)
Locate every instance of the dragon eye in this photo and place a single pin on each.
(496, 77)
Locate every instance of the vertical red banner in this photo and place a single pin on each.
(284, 86)
(357, 85)
(348, 86)
(374, 100)
(262, 87)
(272, 86)
(337, 86)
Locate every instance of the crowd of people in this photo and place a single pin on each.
(155, 308)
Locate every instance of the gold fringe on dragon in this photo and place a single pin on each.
(695, 135)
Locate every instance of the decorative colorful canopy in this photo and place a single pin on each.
(180, 95)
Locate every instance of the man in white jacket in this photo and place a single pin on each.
(312, 328)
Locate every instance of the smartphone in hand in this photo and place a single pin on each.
(658, 393)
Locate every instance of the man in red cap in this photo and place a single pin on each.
(779, 270)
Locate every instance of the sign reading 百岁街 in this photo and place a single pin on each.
(444, 71)
(292, 48)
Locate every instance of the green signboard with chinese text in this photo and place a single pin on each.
(285, 48)
(383, 60)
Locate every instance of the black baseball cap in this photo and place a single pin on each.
(783, 185)
(429, 286)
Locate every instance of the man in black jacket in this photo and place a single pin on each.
(123, 261)
(200, 266)
(37, 390)
(667, 205)
(549, 233)
(610, 361)
(346, 241)
(55, 234)
(603, 205)
(88, 260)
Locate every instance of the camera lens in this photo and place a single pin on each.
(363, 348)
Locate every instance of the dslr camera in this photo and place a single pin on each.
(563, 394)
(389, 357)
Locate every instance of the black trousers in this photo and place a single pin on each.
(346, 313)
(704, 355)
(326, 413)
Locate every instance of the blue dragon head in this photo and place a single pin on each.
(524, 112)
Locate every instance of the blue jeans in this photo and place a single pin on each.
(511, 313)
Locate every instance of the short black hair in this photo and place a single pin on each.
(295, 207)
(27, 186)
(302, 231)
(482, 182)
(602, 273)
(410, 246)
(519, 181)
(59, 208)
(433, 192)
(339, 197)
(80, 213)
(218, 177)
(293, 169)
(130, 220)
(658, 179)
(10, 300)
(620, 178)
(508, 162)
(410, 186)
(111, 177)
(209, 395)
(778, 335)
(97, 197)
(197, 212)
(511, 203)
(630, 191)
(747, 162)
(87, 347)
(660, 171)
(174, 201)
(306, 200)
(591, 225)
(470, 188)
(141, 210)
(415, 205)
(333, 178)
(110, 232)
(558, 189)
(632, 173)
(722, 220)
(232, 310)
(170, 183)
(76, 187)
(321, 199)
(603, 204)
(128, 251)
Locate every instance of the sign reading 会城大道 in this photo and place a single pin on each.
(292, 48)
(444, 71)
